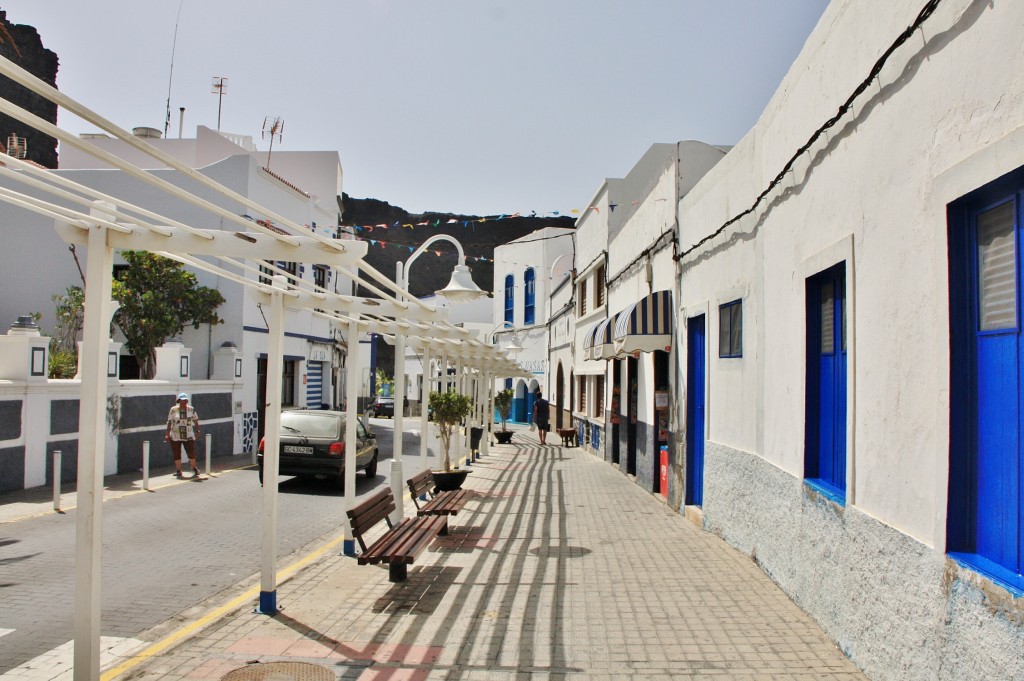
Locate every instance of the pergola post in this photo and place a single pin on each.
(459, 389)
(271, 448)
(92, 415)
(399, 411)
(352, 399)
(424, 404)
(488, 416)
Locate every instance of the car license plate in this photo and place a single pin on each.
(296, 449)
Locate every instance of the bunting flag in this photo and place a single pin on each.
(406, 247)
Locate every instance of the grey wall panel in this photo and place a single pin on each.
(63, 417)
(146, 410)
(68, 461)
(151, 410)
(10, 419)
(646, 455)
(213, 405)
(129, 447)
(12, 469)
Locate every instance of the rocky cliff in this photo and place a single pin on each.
(23, 46)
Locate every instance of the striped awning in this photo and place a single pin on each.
(588, 342)
(604, 345)
(645, 326)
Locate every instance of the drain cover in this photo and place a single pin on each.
(280, 671)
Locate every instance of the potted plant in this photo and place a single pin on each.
(503, 403)
(449, 408)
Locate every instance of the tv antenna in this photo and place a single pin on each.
(273, 128)
(170, 76)
(219, 88)
(17, 146)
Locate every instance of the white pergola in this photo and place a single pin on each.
(105, 224)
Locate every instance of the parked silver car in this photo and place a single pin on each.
(313, 444)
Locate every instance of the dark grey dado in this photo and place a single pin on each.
(129, 446)
(68, 460)
(646, 456)
(12, 469)
(151, 410)
(10, 419)
(63, 417)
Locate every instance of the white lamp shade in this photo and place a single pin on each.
(513, 346)
(462, 288)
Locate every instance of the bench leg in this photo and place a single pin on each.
(397, 572)
(444, 530)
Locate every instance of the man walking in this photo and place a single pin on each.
(183, 429)
(541, 416)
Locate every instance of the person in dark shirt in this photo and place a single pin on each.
(541, 410)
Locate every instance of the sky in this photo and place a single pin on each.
(478, 107)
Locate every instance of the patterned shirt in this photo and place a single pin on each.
(183, 423)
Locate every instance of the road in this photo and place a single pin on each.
(165, 552)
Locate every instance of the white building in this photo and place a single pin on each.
(624, 398)
(526, 270)
(849, 312)
(308, 196)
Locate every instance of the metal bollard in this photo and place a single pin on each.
(395, 475)
(208, 438)
(56, 480)
(145, 465)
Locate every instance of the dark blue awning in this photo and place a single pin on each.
(645, 326)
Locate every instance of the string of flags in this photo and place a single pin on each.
(362, 232)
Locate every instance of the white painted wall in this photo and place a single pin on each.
(944, 117)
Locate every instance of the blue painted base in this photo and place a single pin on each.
(348, 547)
(268, 603)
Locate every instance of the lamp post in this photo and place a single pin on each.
(512, 348)
(461, 289)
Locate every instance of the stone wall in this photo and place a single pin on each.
(900, 609)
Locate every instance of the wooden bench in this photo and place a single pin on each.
(441, 504)
(568, 436)
(402, 543)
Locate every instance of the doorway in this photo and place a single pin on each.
(695, 379)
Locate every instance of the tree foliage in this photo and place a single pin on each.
(448, 409)
(158, 298)
(503, 403)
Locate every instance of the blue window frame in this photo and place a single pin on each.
(730, 329)
(510, 292)
(825, 418)
(985, 517)
(529, 287)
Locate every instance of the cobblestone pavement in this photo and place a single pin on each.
(559, 568)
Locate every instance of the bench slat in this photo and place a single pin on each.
(404, 542)
(445, 503)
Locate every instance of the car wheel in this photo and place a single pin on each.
(371, 468)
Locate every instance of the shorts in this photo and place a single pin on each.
(190, 448)
(544, 425)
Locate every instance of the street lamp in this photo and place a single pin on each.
(512, 348)
(461, 289)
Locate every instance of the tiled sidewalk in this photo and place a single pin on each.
(559, 569)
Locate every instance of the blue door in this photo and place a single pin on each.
(695, 379)
(825, 463)
(998, 349)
